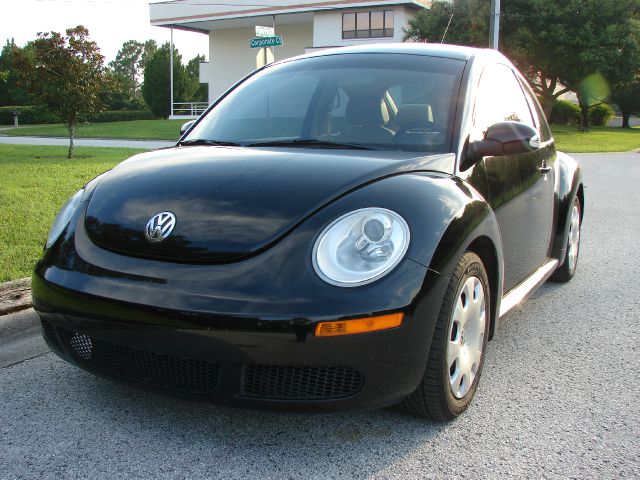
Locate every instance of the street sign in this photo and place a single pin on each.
(262, 42)
(265, 31)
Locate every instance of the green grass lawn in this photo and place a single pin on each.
(568, 138)
(34, 184)
(597, 139)
(134, 129)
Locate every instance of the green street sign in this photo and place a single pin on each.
(262, 42)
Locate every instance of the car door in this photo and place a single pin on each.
(520, 187)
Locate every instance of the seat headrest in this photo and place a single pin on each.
(418, 113)
(364, 111)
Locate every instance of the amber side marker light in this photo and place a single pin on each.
(358, 325)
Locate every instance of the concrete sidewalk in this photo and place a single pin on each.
(87, 142)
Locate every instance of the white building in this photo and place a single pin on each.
(303, 27)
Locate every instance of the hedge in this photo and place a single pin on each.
(29, 115)
(599, 115)
(565, 113)
(568, 113)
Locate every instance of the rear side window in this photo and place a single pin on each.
(538, 113)
(500, 98)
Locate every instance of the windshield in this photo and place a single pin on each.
(379, 101)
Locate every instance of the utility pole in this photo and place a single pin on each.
(495, 24)
(171, 74)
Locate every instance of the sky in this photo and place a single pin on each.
(110, 24)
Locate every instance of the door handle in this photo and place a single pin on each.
(545, 168)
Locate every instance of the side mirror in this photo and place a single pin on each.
(504, 138)
(186, 127)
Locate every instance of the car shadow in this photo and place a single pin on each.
(341, 442)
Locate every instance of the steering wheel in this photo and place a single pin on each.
(420, 132)
(373, 133)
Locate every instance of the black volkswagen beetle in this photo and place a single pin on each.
(340, 230)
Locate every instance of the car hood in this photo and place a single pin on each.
(230, 202)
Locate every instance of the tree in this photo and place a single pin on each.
(628, 99)
(157, 85)
(458, 22)
(68, 76)
(560, 46)
(586, 46)
(128, 66)
(150, 48)
(11, 91)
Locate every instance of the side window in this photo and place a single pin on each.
(500, 98)
(337, 117)
(538, 114)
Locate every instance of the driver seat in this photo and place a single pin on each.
(416, 126)
(364, 114)
(414, 114)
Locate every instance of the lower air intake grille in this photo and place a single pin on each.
(49, 334)
(302, 383)
(184, 375)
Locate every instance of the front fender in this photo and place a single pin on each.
(446, 217)
(568, 186)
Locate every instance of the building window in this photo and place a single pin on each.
(375, 24)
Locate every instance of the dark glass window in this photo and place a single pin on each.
(376, 24)
(349, 25)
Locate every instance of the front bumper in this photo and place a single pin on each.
(247, 362)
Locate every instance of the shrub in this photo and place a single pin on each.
(565, 113)
(599, 115)
(119, 116)
(28, 115)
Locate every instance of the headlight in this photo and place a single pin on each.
(360, 247)
(61, 221)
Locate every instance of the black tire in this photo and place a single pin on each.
(434, 399)
(567, 270)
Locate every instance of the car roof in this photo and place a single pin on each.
(456, 52)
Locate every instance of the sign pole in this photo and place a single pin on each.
(494, 24)
(273, 49)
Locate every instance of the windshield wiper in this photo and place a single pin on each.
(206, 141)
(310, 142)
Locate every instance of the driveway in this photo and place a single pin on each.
(558, 397)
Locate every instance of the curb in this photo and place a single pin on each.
(15, 296)
(17, 323)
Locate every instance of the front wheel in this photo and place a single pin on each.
(567, 270)
(457, 350)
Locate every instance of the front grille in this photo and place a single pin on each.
(300, 383)
(49, 334)
(183, 375)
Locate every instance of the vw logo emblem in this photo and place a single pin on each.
(160, 227)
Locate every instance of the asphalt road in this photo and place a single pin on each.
(558, 397)
(86, 142)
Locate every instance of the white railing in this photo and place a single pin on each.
(190, 109)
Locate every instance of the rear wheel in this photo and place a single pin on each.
(567, 270)
(457, 350)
